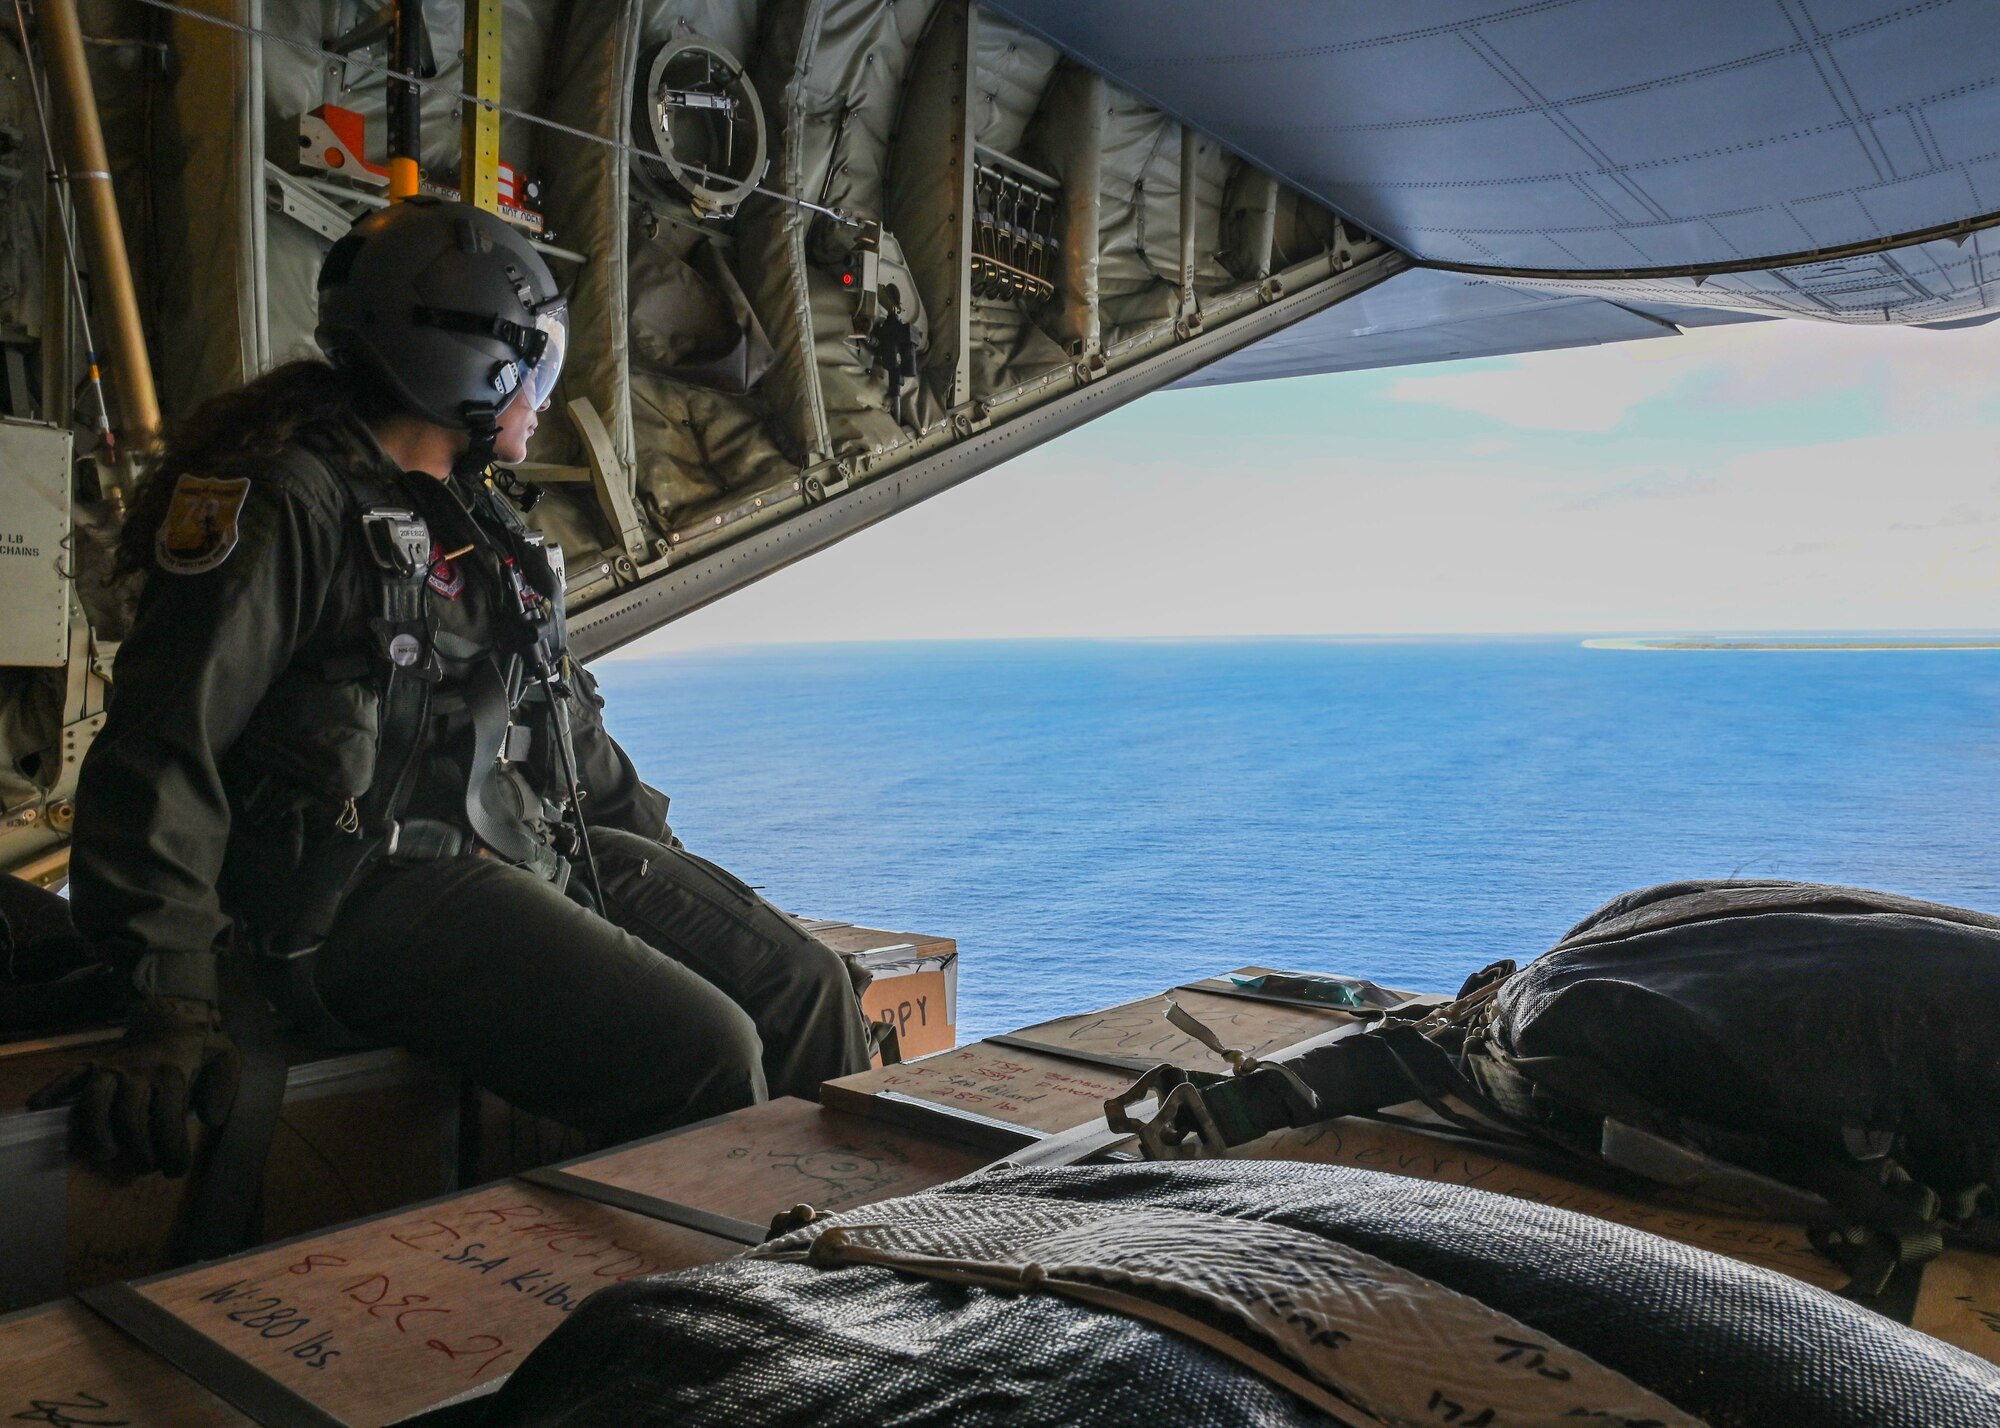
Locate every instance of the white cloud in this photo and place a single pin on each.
(1243, 511)
(1576, 390)
(1914, 374)
(1876, 533)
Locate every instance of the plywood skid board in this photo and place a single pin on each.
(1057, 1074)
(1039, 1092)
(759, 1162)
(64, 1364)
(403, 1311)
(1139, 1030)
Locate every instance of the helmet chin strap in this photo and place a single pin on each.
(482, 423)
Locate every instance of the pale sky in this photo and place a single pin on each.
(1771, 476)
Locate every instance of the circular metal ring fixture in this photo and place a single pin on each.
(695, 108)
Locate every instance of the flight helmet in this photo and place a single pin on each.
(448, 308)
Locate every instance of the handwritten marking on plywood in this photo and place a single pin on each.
(381, 1319)
(1371, 1146)
(66, 1368)
(1140, 1029)
(764, 1160)
(1023, 1088)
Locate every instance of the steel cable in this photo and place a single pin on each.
(444, 87)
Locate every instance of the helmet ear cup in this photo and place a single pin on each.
(383, 286)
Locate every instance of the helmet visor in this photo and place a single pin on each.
(539, 379)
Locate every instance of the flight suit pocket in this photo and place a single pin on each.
(727, 882)
(314, 739)
(294, 775)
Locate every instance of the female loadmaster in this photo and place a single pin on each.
(345, 739)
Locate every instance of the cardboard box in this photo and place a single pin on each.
(358, 1134)
(915, 986)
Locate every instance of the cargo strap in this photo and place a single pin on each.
(1881, 1229)
(532, 577)
(1340, 1074)
(226, 1206)
(494, 794)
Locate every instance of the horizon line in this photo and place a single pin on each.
(1337, 637)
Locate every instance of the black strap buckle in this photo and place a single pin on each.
(529, 342)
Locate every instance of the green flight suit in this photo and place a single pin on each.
(243, 728)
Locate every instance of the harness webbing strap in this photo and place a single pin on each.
(404, 652)
(399, 545)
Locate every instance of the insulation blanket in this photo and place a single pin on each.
(1387, 1300)
(1391, 1343)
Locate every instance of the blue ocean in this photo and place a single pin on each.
(1097, 820)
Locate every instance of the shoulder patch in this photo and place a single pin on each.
(201, 524)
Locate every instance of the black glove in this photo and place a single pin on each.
(132, 1102)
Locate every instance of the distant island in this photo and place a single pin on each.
(1631, 643)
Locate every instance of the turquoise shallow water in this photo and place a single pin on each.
(1093, 820)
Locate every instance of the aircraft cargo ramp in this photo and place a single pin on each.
(443, 1300)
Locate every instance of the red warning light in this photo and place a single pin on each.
(847, 280)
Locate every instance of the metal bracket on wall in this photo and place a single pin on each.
(608, 479)
(928, 191)
(300, 204)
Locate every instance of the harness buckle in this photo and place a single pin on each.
(398, 539)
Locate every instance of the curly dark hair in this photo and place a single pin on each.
(240, 432)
